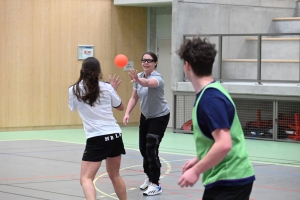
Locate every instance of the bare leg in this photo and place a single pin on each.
(88, 173)
(113, 170)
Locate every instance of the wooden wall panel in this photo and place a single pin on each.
(38, 55)
(129, 31)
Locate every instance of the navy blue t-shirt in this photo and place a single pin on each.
(215, 111)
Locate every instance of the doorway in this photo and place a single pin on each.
(164, 68)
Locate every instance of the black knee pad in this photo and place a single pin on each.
(151, 150)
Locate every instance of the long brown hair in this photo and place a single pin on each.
(90, 74)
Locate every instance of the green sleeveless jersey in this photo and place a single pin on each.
(236, 164)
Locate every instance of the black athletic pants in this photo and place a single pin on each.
(156, 126)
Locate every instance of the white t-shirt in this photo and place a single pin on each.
(97, 120)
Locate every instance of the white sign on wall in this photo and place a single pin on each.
(85, 51)
(129, 66)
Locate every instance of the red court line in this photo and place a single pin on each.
(188, 196)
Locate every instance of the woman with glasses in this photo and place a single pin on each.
(155, 113)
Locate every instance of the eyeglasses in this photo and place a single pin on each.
(147, 60)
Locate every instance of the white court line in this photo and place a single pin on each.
(172, 153)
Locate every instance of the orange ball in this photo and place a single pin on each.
(121, 60)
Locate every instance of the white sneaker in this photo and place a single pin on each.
(153, 189)
(145, 184)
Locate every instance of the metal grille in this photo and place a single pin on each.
(183, 105)
(256, 117)
(268, 118)
(288, 120)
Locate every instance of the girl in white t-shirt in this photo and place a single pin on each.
(94, 100)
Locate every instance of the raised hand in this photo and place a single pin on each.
(133, 75)
(114, 81)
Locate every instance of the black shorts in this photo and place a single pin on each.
(100, 147)
(241, 192)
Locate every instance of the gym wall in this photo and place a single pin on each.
(38, 56)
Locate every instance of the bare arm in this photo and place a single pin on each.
(215, 155)
(152, 82)
(217, 152)
(131, 104)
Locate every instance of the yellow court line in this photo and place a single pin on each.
(169, 167)
(106, 174)
(95, 180)
(105, 194)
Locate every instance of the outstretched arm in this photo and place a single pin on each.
(216, 154)
(151, 82)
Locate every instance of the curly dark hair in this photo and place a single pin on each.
(200, 54)
(90, 74)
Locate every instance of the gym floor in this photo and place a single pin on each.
(46, 165)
